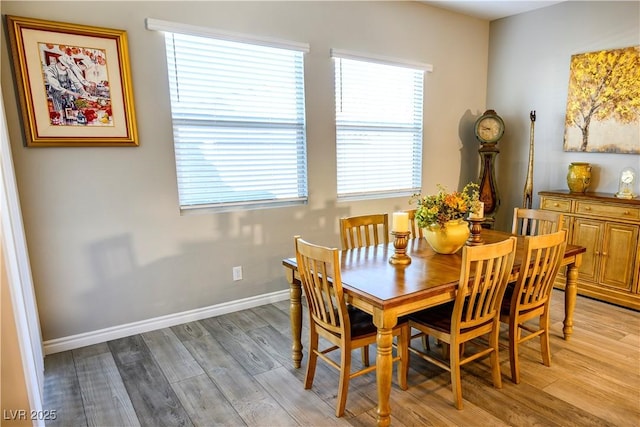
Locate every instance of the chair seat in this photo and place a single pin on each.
(438, 317)
(361, 322)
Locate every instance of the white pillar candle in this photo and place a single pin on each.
(400, 222)
(480, 213)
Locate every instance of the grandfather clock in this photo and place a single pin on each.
(489, 128)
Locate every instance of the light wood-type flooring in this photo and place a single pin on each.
(236, 370)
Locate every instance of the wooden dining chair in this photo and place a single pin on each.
(360, 231)
(364, 230)
(533, 222)
(530, 297)
(343, 326)
(413, 225)
(475, 312)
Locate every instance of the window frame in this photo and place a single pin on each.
(299, 137)
(414, 150)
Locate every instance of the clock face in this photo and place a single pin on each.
(489, 129)
(627, 177)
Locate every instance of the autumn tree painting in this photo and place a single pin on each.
(603, 103)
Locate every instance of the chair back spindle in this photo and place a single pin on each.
(483, 280)
(534, 222)
(364, 230)
(543, 256)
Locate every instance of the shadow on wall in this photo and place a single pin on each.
(203, 268)
(270, 244)
(469, 157)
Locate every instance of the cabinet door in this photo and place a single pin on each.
(619, 245)
(588, 233)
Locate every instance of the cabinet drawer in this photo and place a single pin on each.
(558, 205)
(608, 211)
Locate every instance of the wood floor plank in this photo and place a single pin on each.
(250, 399)
(606, 348)
(188, 331)
(62, 393)
(284, 305)
(602, 387)
(274, 317)
(153, 398)
(631, 339)
(580, 358)
(524, 405)
(91, 350)
(414, 411)
(599, 371)
(616, 409)
(306, 408)
(248, 353)
(205, 403)
(277, 345)
(104, 395)
(247, 319)
(173, 358)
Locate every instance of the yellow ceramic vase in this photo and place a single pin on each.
(579, 177)
(450, 239)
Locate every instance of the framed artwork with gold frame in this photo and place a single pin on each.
(74, 84)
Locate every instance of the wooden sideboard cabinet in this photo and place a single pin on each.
(609, 228)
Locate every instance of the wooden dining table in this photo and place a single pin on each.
(389, 291)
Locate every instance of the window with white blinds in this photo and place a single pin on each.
(378, 127)
(238, 122)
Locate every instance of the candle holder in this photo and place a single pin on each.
(476, 228)
(400, 240)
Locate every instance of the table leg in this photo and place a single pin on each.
(384, 364)
(295, 316)
(570, 293)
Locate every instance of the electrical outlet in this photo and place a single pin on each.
(237, 273)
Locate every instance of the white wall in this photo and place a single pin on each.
(529, 58)
(106, 240)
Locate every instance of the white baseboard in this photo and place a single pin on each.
(102, 335)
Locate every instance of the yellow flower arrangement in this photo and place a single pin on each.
(443, 206)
